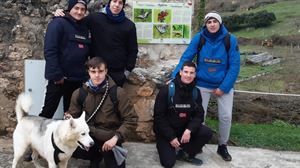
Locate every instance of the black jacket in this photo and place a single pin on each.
(187, 114)
(116, 43)
(66, 48)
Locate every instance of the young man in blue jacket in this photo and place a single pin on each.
(218, 69)
(66, 50)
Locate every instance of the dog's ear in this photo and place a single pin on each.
(82, 115)
(72, 123)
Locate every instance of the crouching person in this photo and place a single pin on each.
(178, 118)
(110, 115)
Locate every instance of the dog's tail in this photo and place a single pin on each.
(23, 104)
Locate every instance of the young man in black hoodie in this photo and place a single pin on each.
(113, 38)
(178, 119)
(66, 49)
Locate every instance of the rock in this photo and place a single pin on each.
(145, 132)
(145, 91)
(19, 52)
(137, 76)
(272, 62)
(259, 58)
(14, 74)
(144, 109)
(2, 54)
(4, 82)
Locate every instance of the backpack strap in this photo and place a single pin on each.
(202, 42)
(82, 95)
(199, 47)
(227, 42)
(114, 98)
(171, 93)
(195, 93)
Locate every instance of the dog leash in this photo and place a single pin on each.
(101, 102)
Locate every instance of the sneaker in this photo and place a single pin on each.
(194, 161)
(223, 152)
(183, 156)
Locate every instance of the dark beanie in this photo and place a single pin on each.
(72, 3)
(124, 1)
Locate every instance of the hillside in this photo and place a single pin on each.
(287, 22)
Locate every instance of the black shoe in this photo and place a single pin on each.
(27, 156)
(183, 156)
(223, 152)
(179, 154)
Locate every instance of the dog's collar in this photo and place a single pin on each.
(56, 150)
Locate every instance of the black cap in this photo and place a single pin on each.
(72, 3)
(124, 1)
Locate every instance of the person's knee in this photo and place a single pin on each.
(204, 134)
(207, 131)
(168, 163)
(225, 119)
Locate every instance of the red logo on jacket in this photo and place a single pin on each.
(182, 115)
(80, 46)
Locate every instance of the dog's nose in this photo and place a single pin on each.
(92, 143)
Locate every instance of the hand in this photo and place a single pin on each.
(67, 116)
(218, 92)
(108, 145)
(175, 143)
(186, 136)
(59, 12)
(59, 82)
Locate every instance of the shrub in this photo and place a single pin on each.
(256, 20)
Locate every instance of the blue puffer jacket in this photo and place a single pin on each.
(66, 49)
(215, 69)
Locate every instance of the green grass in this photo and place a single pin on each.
(251, 70)
(277, 76)
(273, 86)
(276, 136)
(287, 18)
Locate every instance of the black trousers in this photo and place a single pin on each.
(95, 155)
(54, 92)
(118, 77)
(167, 153)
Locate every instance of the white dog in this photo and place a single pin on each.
(54, 140)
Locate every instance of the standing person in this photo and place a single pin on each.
(178, 118)
(66, 50)
(114, 39)
(109, 122)
(217, 72)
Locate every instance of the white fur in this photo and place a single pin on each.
(36, 132)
